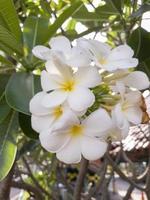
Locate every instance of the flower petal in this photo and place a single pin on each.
(36, 107)
(97, 123)
(56, 66)
(137, 79)
(137, 97)
(97, 48)
(53, 142)
(112, 65)
(88, 77)
(42, 52)
(54, 98)
(60, 43)
(78, 58)
(118, 116)
(134, 114)
(41, 123)
(80, 99)
(49, 82)
(121, 52)
(71, 152)
(92, 148)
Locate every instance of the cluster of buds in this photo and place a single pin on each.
(89, 93)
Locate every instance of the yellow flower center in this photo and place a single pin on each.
(76, 130)
(57, 112)
(68, 85)
(102, 61)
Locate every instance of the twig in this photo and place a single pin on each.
(33, 178)
(80, 179)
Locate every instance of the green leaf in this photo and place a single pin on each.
(9, 18)
(140, 42)
(8, 146)
(35, 31)
(8, 42)
(83, 14)
(68, 12)
(25, 124)
(20, 89)
(4, 109)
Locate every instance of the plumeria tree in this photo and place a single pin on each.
(66, 96)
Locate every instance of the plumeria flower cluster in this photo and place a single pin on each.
(73, 114)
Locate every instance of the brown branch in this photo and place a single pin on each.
(33, 178)
(121, 174)
(80, 179)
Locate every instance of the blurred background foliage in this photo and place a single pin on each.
(26, 23)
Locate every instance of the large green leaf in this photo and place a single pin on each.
(20, 89)
(140, 42)
(68, 12)
(9, 18)
(8, 146)
(35, 31)
(25, 124)
(8, 42)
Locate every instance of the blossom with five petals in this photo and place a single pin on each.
(62, 84)
(120, 57)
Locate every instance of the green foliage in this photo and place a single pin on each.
(8, 147)
(19, 91)
(9, 18)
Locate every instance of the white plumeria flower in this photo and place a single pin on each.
(84, 138)
(65, 85)
(43, 118)
(76, 138)
(128, 110)
(61, 46)
(109, 59)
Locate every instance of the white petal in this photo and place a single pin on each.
(36, 106)
(71, 153)
(49, 82)
(112, 65)
(98, 49)
(97, 123)
(134, 114)
(92, 148)
(58, 67)
(88, 77)
(41, 123)
(53, 142)
(121, 52)
(118, 116)
(80, 99)
(42, 52)
(137, 80)
(78, 58)
(60, 43)
(54, 98)
(133, 97)
(67, 119)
